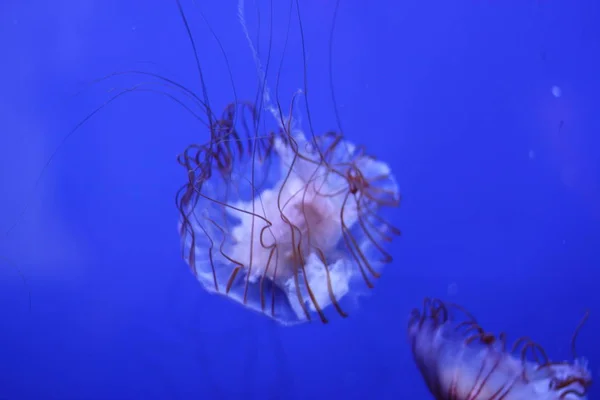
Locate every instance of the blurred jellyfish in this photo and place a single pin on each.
(285, 222)
(459, 360)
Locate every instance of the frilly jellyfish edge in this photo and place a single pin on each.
(458, 359)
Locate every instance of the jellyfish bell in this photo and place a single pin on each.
(285, 223)
(459, 360)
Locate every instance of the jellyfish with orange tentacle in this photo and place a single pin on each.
(280, 223)
(285, 222)
(459, 360)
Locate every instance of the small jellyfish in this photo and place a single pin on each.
(459, 360)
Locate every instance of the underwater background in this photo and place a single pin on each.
(487, 112)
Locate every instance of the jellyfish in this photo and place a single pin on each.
(459, 360)
(284, 221)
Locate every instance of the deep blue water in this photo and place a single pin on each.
(500, 181)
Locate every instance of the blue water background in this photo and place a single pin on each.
(500, 212)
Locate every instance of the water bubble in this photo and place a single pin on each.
(452, 289)
(556, 91)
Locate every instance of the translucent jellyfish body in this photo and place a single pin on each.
(460, 361)
(285, 223)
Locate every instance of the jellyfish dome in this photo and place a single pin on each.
(461, 361)
(282, 223)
